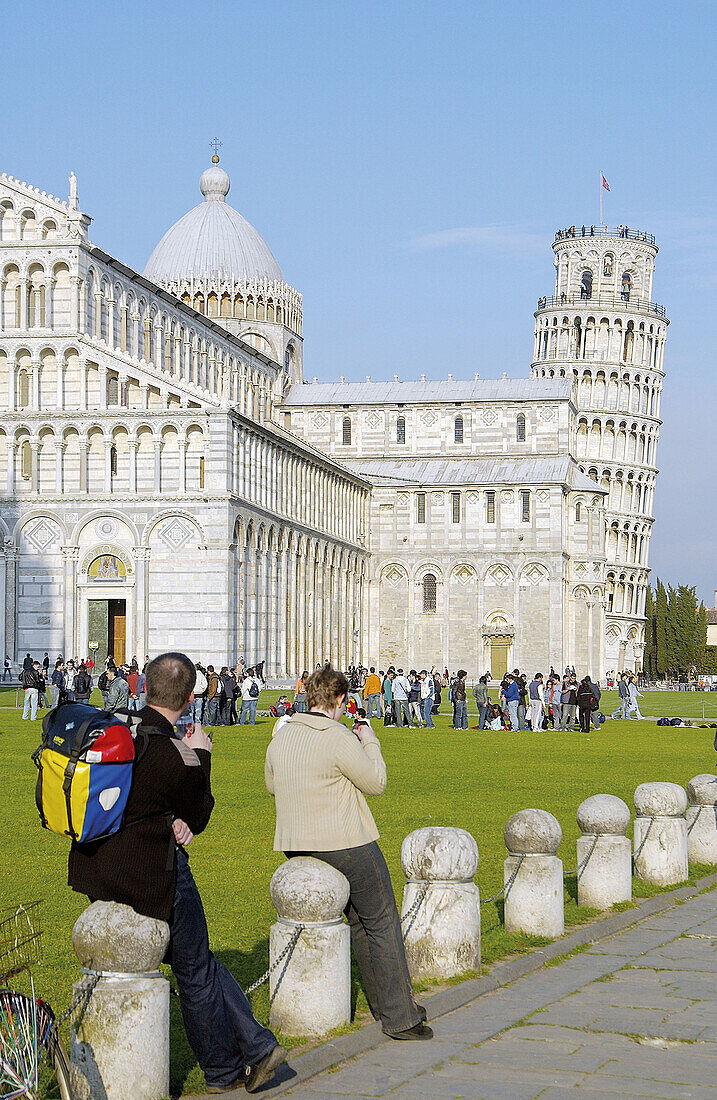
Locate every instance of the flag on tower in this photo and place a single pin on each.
(605, 184)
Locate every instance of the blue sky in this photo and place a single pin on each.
(408, 163)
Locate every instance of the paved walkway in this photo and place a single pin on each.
(634, 1015)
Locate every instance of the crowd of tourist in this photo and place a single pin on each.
(230, 696)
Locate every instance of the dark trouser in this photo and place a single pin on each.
(376, 935)
(218, 1020)
(584, 713)
(401, 711)
(460, 714)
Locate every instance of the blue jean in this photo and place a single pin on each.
(482, 715)
(248, 712)
(460, 714)
(212, 713)
(373, 702)
(218, 1019)
(376, 935)
(29, 707)
(513, 712)
(300, 704)
(623, 708)
(427, 708)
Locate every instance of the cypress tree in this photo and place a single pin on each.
(650, 648)
(701, 641)
(661, 629)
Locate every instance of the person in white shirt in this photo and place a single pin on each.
(536, 694)
(427, 699)
(250, 688)
(320, 773)
(401, 689)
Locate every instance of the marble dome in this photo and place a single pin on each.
(212, 240)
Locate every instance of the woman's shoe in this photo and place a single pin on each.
(418, 1031)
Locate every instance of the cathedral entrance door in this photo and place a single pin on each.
(107, 627)
(117, 630)
(499, 647)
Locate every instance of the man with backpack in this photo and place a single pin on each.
(31, 678)
(83, 685)
(145, 865)
(249, 698)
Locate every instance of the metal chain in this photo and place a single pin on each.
(636, 856)
(581, 866)
(80, 998)
(288, 951)
(412, 912)
(505, 889)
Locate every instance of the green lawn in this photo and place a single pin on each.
(471, 780)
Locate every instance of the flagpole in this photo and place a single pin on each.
(601, 196)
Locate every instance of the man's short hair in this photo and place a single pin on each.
(170, 681)
(324, 687)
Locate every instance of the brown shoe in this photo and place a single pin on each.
(260, 1073)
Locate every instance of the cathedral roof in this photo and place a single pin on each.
(422, 393)
(212, 240)
(560, 469)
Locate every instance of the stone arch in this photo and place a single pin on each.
(31, 521)
(499, 573)
(175, 535)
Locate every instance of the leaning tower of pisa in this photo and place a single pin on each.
(602, 328)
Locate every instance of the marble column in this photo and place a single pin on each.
(158, 466)
(70, 556)
(141, 596)
(108, 466)
(34, 472)
(59, 452)
(132, 444)
(84, 446)
(11, 555)
(11, 463)
(59, 384)
(182, 465)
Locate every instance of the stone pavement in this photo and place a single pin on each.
(633, 1015)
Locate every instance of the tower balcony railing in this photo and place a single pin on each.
(624, 300)
(619, 231)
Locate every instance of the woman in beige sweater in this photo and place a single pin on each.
(319, 773)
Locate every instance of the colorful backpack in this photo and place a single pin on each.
(85, 767)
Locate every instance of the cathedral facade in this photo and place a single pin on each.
(168, 479)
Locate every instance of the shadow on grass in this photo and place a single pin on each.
(246, 967)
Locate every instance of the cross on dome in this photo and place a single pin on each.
(216, 145)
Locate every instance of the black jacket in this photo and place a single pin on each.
(136, 866)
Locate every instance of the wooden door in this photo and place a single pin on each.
(499, 657)
(117, 630)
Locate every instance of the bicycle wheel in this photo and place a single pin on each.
(56, 1053)
(27, 1032)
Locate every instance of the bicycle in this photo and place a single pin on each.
(29, 1029)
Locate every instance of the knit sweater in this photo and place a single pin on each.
(136, 865)
(319, 772)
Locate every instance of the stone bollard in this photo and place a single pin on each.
(120, 1044)
(702, 819)
(443, 930)
(313, 994)
(534, 899)
(660, 854)
(606, 878)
